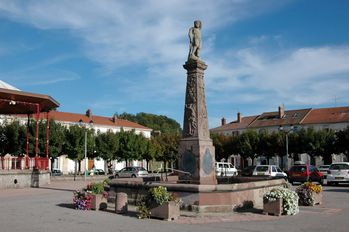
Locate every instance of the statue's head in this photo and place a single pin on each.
(197, 24)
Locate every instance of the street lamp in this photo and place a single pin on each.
(85, 159)
(286, 131)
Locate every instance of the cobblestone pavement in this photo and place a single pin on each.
(50, 209)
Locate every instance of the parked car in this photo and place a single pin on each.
(338, 173)
(247, 171)
(304, 173)
(132, 172)
(323, 169)
(56, 172)
(98, 172)
(225, 169)
(269, 170)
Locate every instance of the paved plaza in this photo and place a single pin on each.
(49, 209)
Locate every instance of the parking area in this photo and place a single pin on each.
(50, 209)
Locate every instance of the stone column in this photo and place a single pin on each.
(196, 152)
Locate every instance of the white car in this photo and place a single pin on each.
(269, 170)
(338, 173)
(225, 169)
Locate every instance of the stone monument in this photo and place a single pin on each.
(196, 152)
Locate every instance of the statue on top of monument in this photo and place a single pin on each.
(195, 40)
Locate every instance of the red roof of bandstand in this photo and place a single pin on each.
(14, 101)
(19, 102)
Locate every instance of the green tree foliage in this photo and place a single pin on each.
(74, 142)
(156, 122)
(224, 145)
(150, 152)
(13, 138)
(342, 142)
(316, 143)
(107, 144)
(56, 139)
(270, 145)
(166, 146)
(247, 144)
(131, 146)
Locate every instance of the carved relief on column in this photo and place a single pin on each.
(190, 115)
(202, 108)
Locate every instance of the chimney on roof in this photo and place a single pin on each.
(115, 117)
(223, 121)
(89, 114)
(281, 111)
(239, 117)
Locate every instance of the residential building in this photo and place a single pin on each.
(335, 118)
(98, 123)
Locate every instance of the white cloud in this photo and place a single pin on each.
(310, 76)
(117, 33)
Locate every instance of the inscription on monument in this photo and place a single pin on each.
(207, 162)
(189, 162)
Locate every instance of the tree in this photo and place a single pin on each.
(14, 138)
(107, 144)
(247, 144)
(156, 122)
(167, 148)
(150, 151)
(342, 142)
(131, 146)
(74, 143)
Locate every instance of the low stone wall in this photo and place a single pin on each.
(23, 178)
(204, 198)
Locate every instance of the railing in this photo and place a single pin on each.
(19, 163)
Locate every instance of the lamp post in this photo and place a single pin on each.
(86, 162)
(85, 145)
(286, 131)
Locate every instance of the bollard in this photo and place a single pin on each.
(121, 203)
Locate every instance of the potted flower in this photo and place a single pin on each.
(309, 194)
(279, 201)
(99, 195)
(82, 200)
(159, 203)
(93, 196)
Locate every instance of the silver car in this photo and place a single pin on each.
(131, 172)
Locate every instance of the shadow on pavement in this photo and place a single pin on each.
(339, 189)
(58, 189)
(66, 205)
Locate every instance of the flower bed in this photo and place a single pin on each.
(289, 200)
(309, 194)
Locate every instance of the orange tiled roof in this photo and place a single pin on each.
(98, 120)
(327, 115)
(235, 125)
(291, 117)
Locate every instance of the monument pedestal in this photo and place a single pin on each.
(197, 154)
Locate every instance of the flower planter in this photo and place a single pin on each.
(317, 198)
(99, 202)
(167, 211)
(272, 207)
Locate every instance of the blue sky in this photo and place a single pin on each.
(127, 56)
